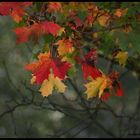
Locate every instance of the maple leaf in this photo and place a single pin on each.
(17, 14)
(5, 8)
(65, 46)
(26, 4)
(97, 86)
(105, 96)
(15, 9)
(22, 34)
(87, 63)
(107, 83)
(60, 68)
(78, 21)
(50, 84)
(120, 12)
(61, 31)
(103, 20)
(42, 68)
(93, 87)
(89, 20)
(54, 7)
(122, 58)
(89, 70)
(36, 30)
(88, 67)
(119, 90)
(50, 27)
(46, 88)
(91, 55)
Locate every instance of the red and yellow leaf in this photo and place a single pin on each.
(65, 47)
(42, 68)
(97, 86)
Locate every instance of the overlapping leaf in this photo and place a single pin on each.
(65, 47)
(36, 30)
(43, 67)
(97, 86)
(15, 9)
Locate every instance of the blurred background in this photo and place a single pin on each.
(25, 113)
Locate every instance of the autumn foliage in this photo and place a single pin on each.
(65, 53)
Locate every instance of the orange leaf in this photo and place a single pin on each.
(120, 12)
(64, 47)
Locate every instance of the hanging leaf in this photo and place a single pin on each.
(15, 9)
(64, 47)
(103, 20)
(50, 84)
(97, 86)
(122, 58)
(42, 68)
(24, 34)
(89, 70)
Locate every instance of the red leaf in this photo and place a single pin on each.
(5, 8)
(42, 68)
(54, 6)
(42, 72)
(92, 55)
(50, 27)
(106, 96)
(78, 22)
(26, 4)
(87, 63)
(17, 14)
(35, 31)
(119, 90)
(60, 69)
(22, 34)
(90, 19)
(89, 70)
(15, 9)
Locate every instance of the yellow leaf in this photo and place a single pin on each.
(93, 87)
(61, 31)
(52, 82)
(64, 47)
(120, 12)
(59, 85)
(103, 20)
(122, 58)
(106, 83)
(97, 86)
(46, 88)
(95, 35)
(33, 79)
(127, 29)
